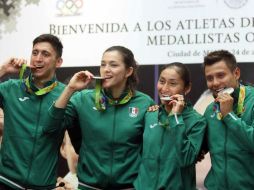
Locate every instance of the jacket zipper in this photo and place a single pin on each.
(159, 159)
(35, 139)
(226, 158)
(112, 147)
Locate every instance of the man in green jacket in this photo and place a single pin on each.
(28, 156)
(230, 131)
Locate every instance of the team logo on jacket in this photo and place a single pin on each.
(23, 99)
(153, 125)
(133, 112)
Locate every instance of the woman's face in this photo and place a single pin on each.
(170, 83)
(114, 70)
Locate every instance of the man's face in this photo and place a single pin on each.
(219, 76)
(44, 61)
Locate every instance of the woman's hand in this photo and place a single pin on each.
(80, 80)
(176, 105)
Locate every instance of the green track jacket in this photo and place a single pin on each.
(231, 146)
(28, 157)
(170, 148)
(109, 157)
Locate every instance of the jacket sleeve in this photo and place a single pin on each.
(4, 88)
(241, 129)
(188, 137)
(60, 119)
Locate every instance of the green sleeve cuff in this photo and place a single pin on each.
(230, 119)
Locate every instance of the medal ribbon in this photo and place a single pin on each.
(26, 83)
(161, 116)
(240, 107)
(217, 112)
(22, 71)
(101, 100)
(162, 111)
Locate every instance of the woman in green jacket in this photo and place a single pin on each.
(111, 118)
(173, 136)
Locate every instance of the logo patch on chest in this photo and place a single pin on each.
(23, 99)
(133, 111)
(153, 125)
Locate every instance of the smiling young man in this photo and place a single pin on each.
(230, 129)
(28, 157)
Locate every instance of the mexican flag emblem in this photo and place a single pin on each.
(133, 112)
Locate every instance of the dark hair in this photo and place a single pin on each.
(182, 70)
(129, 61)
(221, 55)
(53, 40)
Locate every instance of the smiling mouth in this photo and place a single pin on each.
(108, 77)
(225, 90)
(165, 97)
(36, 66)
(219, 90)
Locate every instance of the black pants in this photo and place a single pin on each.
(5, 187)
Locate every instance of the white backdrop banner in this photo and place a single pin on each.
(158, 32)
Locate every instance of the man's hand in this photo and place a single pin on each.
(11, 66)
(226, 103)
